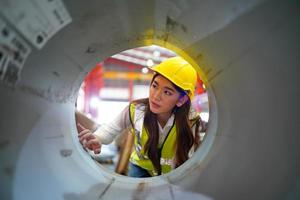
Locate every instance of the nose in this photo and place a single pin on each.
(157, 95)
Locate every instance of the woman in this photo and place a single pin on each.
(164, 126)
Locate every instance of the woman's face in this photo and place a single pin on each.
(163, 96)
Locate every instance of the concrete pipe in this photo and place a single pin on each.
(248, 52)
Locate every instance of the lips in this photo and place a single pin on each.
(155, 105)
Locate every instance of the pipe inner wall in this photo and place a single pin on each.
(248, 54)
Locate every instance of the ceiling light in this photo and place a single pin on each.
(145, 70)
(150, 63)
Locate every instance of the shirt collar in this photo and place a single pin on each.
(169, 123)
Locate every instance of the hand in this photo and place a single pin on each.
(88, 139)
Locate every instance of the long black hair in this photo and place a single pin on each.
(185, 138)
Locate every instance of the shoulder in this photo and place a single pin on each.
(139, 105)
(194, 115)
(137, 110)
(195, 119)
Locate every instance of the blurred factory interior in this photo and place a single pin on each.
(53, 54)
(112, 84)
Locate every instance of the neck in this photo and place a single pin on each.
(163, 118)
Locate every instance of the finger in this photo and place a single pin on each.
(83, 138)
(86, 134)
(83, 142)
(97, 150)
(80, 127)
(93, 143)
(93, 147)
(82, 133)
(87, 144)
(90, 141)
(90, 137)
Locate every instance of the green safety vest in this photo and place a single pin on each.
(167, 151)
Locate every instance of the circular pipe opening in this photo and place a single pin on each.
(197, 161)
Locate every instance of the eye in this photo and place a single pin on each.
(167, 92)
(154, 85)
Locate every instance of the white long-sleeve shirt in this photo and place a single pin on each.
(108, 132)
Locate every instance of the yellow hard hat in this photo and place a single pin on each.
(179, 72)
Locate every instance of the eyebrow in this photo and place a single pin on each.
(168, 88)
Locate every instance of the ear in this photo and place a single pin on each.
(182, 100)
